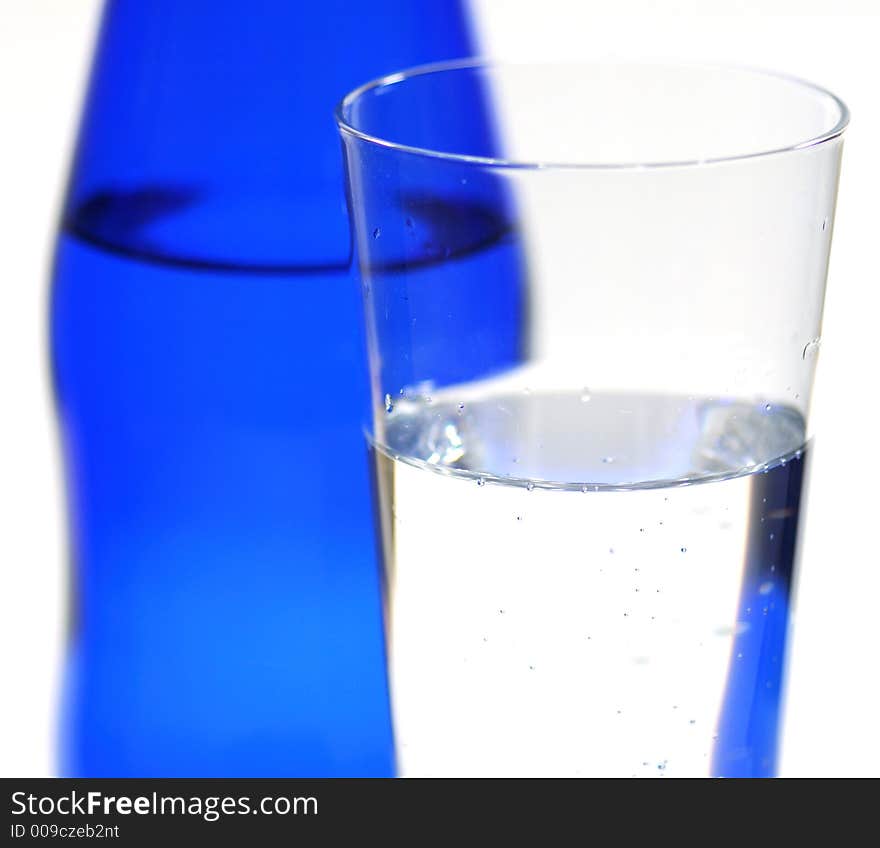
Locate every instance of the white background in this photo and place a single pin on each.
(834, 690)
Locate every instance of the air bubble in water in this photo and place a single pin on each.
(607, 459)
(377, 232)
(530, 486)
(684, 550)
(765, 588)
(389, 405)
(481, 481)
(585, 396)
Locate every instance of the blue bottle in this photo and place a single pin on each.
(208, 369)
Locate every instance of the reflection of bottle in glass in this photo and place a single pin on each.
(207, 363)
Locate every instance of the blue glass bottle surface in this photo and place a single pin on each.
(208, 366)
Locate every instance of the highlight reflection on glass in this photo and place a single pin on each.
(590, 544)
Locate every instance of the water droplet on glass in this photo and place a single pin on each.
(811, 347)
(389, 406)
(765, 588)
(607, 459)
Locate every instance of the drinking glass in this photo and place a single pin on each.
(590, 543)
(209, 378)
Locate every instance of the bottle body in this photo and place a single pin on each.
(207, 359)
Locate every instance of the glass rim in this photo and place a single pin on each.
(347, 128)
